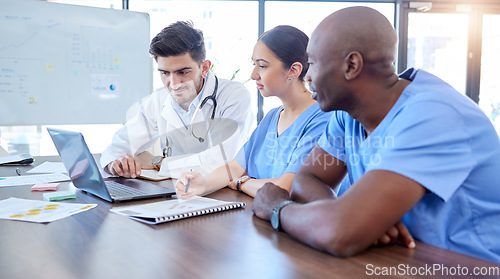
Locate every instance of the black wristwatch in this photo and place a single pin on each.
(240, 181)
(157, 162)
(275, 215)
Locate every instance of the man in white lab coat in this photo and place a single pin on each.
(195, 131)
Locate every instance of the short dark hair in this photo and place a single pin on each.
(289, 44)
(179, 38)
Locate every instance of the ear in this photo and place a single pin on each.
(353, 65)
(295, 70)
(205, 67)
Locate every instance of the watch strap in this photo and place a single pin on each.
(156, 162)
(275, 214)
(240, 181)
(238, 185)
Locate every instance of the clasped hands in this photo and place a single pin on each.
(270, 195)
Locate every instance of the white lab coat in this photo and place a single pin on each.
(156, 118)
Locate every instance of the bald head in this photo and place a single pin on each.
(360, 29)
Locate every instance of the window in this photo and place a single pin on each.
(228, 42)
(437, 43)
(458, 43)
(441, 40)
(112, 4)
(306, 16)
(489, 96)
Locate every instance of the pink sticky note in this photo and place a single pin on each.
(44, 187)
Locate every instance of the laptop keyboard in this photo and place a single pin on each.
(117, 190)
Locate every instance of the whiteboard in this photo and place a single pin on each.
(68, 64)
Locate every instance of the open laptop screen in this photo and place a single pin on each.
(79, 162)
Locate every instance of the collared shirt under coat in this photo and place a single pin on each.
(156, 118)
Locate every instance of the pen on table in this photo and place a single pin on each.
(18, 171)
(189, 182)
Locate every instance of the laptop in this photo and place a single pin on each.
(86, 176)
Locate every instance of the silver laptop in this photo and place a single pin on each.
(86, 176)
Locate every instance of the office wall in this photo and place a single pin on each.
(68, 64)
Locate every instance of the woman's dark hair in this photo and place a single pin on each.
(179, 38)
(289, 44)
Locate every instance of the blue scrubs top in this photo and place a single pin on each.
(265, 155)
(441, 139)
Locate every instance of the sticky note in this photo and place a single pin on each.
(45, 187)
(49, 67)
(58, 196)
(32, 100)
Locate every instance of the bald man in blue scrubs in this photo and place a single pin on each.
(412, 147)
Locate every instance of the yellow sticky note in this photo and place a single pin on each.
(32, 213)
(49, 67)
(32, 100)
(116, 59)
(16, 216)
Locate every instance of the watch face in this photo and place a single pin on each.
(244, 178)
(275, 214)
(275, 220)
(157, 159)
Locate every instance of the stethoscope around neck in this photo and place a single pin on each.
(167, 151)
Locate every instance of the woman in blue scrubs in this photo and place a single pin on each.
(279, 145)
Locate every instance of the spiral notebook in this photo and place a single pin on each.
(170, 210)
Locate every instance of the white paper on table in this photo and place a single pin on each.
(39, 211)
(49, 167)
(32, 179)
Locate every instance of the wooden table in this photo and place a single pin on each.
(231, 244)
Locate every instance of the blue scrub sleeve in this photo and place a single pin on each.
(332, 141)
(240, 156)
(315, 129)
(430, 147)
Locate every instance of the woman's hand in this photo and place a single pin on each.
(190, 184)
